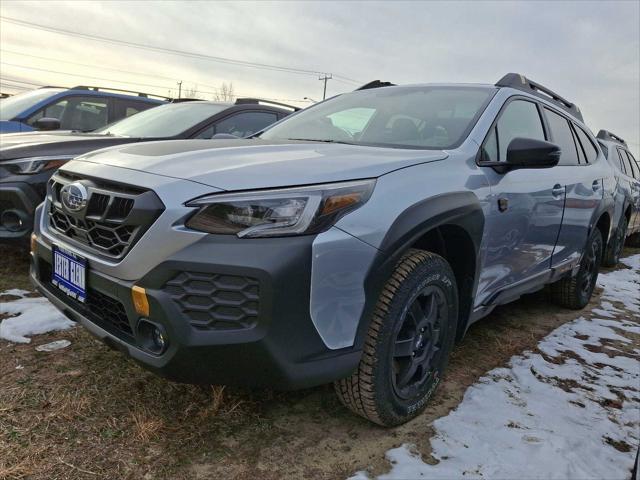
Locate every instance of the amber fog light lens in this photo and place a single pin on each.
(34, 243)
(140, 301)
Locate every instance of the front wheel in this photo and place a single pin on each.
(408, 343)
(575, 292)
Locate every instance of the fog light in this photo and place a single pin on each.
(140, 301)
(152, 337)
(34, 243)
(13, 220)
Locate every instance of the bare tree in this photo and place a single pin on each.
(191, 92)
(225, 93)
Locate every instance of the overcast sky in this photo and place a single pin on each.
(588, 52)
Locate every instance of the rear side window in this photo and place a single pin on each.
(562, 136)
(589, 149)
(632, 165)
(621, 161)
(520, 118)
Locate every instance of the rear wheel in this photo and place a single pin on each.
(614, 249)
(574, 292)
(408, 343)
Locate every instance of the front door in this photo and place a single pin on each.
(525, 211)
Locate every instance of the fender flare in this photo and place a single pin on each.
(461, 209)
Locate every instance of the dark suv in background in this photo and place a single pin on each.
(27, 161)
(626, 218)
(79, 108)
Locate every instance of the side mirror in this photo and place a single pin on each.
(532, 153)
(47, 123)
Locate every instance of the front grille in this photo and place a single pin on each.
(115, 216)
(101, 309)
(215, 301)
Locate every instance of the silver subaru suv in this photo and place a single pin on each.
(353, 242)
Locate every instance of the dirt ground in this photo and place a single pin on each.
(87, 412)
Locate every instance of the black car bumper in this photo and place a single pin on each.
(236, 312)
(18, 201)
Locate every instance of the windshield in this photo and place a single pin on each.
(14, 105)
(164, 121)
(431, 117)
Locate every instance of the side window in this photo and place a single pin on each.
(562, 136)
(588, 147)
(632, 165)
(126, 108)
(76, 113)
(242, 124)
(622, 162)
(581, 157)
(520, 118)
(635, 164)
(490, 148)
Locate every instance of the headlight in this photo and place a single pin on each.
(281, 212)
(27, 166)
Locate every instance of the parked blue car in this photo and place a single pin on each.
(78, 108)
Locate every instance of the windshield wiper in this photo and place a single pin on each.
(320, 140)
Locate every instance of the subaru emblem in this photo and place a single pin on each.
(74, 197)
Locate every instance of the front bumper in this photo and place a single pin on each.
(18, 201)
(236, 312)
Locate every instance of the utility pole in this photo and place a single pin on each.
(327, 76)
(179, 88)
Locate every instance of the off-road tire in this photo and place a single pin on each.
(616, 244)
(568, 292)
(370, 391)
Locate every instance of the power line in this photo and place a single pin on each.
(171, 51)
(83, 76)
(129, 72)
(143, 84)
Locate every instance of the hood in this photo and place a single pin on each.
(33, 144)
(250, 164)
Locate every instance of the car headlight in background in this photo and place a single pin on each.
(28, 166)
(278, 212)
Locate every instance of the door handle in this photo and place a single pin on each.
(558, 190)
(595, 185)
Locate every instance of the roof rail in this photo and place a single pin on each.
(610, 137)
(258, 101)
(520, 82)
(102, 89)
(375, 84)
(183, 100)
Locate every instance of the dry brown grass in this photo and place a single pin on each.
(86, 412)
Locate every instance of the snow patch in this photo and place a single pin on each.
(29, 316)
(570, 410)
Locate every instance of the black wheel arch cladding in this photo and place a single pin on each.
(460, 209)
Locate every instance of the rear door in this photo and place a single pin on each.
(633, 176)
(526, 206)
(582, 183)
